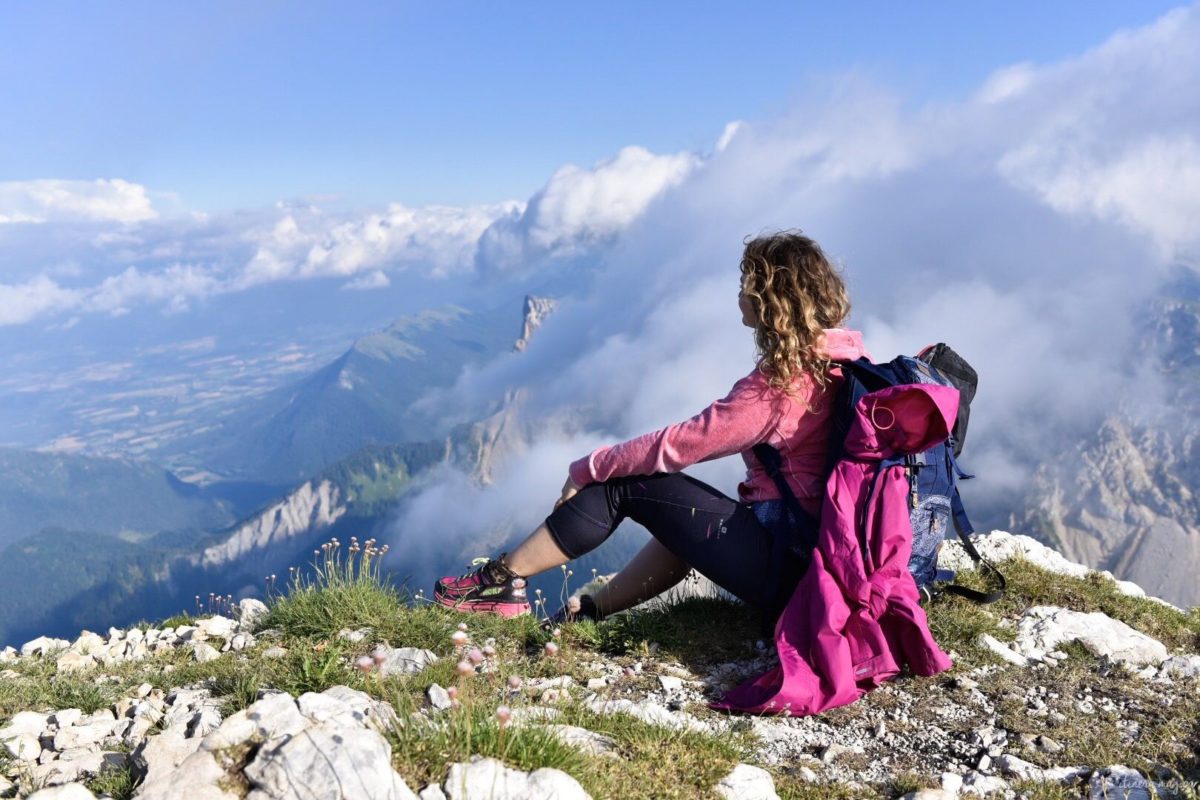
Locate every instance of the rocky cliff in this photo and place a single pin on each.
(1126, 499)
(1076, 685)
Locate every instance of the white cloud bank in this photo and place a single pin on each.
(1023, 225)
(42, 201)
(171, 262)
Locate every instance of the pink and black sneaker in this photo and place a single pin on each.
(491, 588)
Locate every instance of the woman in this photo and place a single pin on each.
(795, 300)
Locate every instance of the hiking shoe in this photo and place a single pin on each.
(490, 588)
(586, 610)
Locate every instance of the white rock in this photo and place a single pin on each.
(597, 684)
(1120, 782)
(590, 742)
(160, 755)
(489, 778)
(649, 712)
(1181, 667)
(23, 748)
(199, 772)
(274, 652)
(431, 792)
(930, 794)
(217, 626)
(405, 660)
(355, 636)
(241, 641)
(327, 762)
(206, 720)
(323, 709)
(272, 717)
(66, 717)
(250, 613)
(44, 645)
(74, 661)
(951, 782)
(75, 765)
(670, 683)
(378, 714)
(24, 722)
(88, 642)
(1001, 649)
(439, 698)
(71, 791)
(84, 735)
(983, 785)
(1017, 767)
(747, 782)
(8, 654)
(204, 652)
(1046, 627)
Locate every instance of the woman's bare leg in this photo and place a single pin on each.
(538, 553)
(651, 572)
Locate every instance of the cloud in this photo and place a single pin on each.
(1024, 225)
(20, 303)
(46, 200)
(579, 208)
(170, 262)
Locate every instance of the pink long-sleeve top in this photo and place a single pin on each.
(753, 412)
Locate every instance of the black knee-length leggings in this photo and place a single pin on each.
(717, 536)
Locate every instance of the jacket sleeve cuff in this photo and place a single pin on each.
(581, 471)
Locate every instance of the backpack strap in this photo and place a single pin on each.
(806, 540)
(963, 527)
(983, 598)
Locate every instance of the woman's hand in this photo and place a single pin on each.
(568, 491)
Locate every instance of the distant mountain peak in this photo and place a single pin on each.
(535, 313)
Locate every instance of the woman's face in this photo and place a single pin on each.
(749, 318)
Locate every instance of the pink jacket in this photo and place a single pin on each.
(855, 617)
(752, 412)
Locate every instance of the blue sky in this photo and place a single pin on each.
(236, 105)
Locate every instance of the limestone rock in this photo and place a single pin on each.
(204, 652)
(272, 717)
(250, 613)
(431, 792)
(44, 645)
(405, 660)
(439, 698)
(73, 661)
(76, 765)
(590, 742)
(217, 626)
(327, 762)
(747, 782)
(24, 747)
(1181, 667)
(1001, 649)
(24, 722)
(649, 712)
(71, 791)
(1045, 627)
(1120, 782)
(159, 756)
(489, 778)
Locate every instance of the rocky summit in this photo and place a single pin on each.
(1074, 685)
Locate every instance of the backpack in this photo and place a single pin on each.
(934, 500)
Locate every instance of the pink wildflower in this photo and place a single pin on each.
(475, 656)
(551, 649)
(503, 715)
(464, 669)
(365, 664)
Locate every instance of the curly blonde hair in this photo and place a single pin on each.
(796, 293)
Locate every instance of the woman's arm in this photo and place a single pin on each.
(736, 422)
